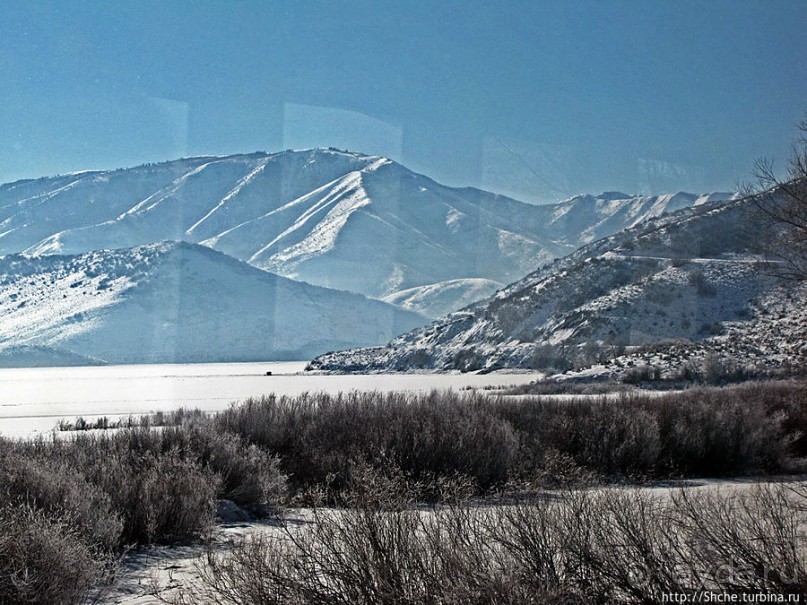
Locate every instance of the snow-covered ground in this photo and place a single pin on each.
(33, 400)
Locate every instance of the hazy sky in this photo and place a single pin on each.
(537, 99)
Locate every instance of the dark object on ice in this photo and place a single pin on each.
(268, 373)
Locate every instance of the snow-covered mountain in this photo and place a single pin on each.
(586, 218)
(336, 219)
(175, 302)
(693, 277)
(436, 300)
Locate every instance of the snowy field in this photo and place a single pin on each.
(33, 400)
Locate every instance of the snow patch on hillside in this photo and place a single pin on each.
(231, 195)
(341, 200)
(436, 300)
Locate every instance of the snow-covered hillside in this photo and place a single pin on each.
(436, 300)
(587, 218)
(175, 302)
(337, 219)
(690, 277)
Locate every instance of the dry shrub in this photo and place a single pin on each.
(382, 549)
(247, 474)
(168, 499)
(602, 546)
(52, 485)
(756, 428)
(747, 541)
(44, 558)
(250, 476)
(320, 438)
(164, 483)
(717, 432)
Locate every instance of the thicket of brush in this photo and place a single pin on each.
(69, 507)
(754, 428)
(584, 546)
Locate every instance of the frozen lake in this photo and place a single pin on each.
(33, 400)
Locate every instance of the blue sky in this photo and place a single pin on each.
(536, 99)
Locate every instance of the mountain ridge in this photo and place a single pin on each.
(343, 220)
(694, 275)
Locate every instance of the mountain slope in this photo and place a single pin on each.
(336, 219)
(348, 221)
(586, 218)
(436, 300)
(189, 199)
(176, 302)
(684, 276)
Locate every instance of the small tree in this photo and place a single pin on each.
(783, 202)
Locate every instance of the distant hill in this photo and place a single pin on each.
(175, 302)
(694, 280)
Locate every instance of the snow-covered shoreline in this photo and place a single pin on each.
(35, 399)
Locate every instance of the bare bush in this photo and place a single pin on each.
(700, 432)
(381, 550)
(171, 499)
(320, 438)
(759, 535)
(246, 474)
(585, 546)
(51, 485)
(44, 558)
